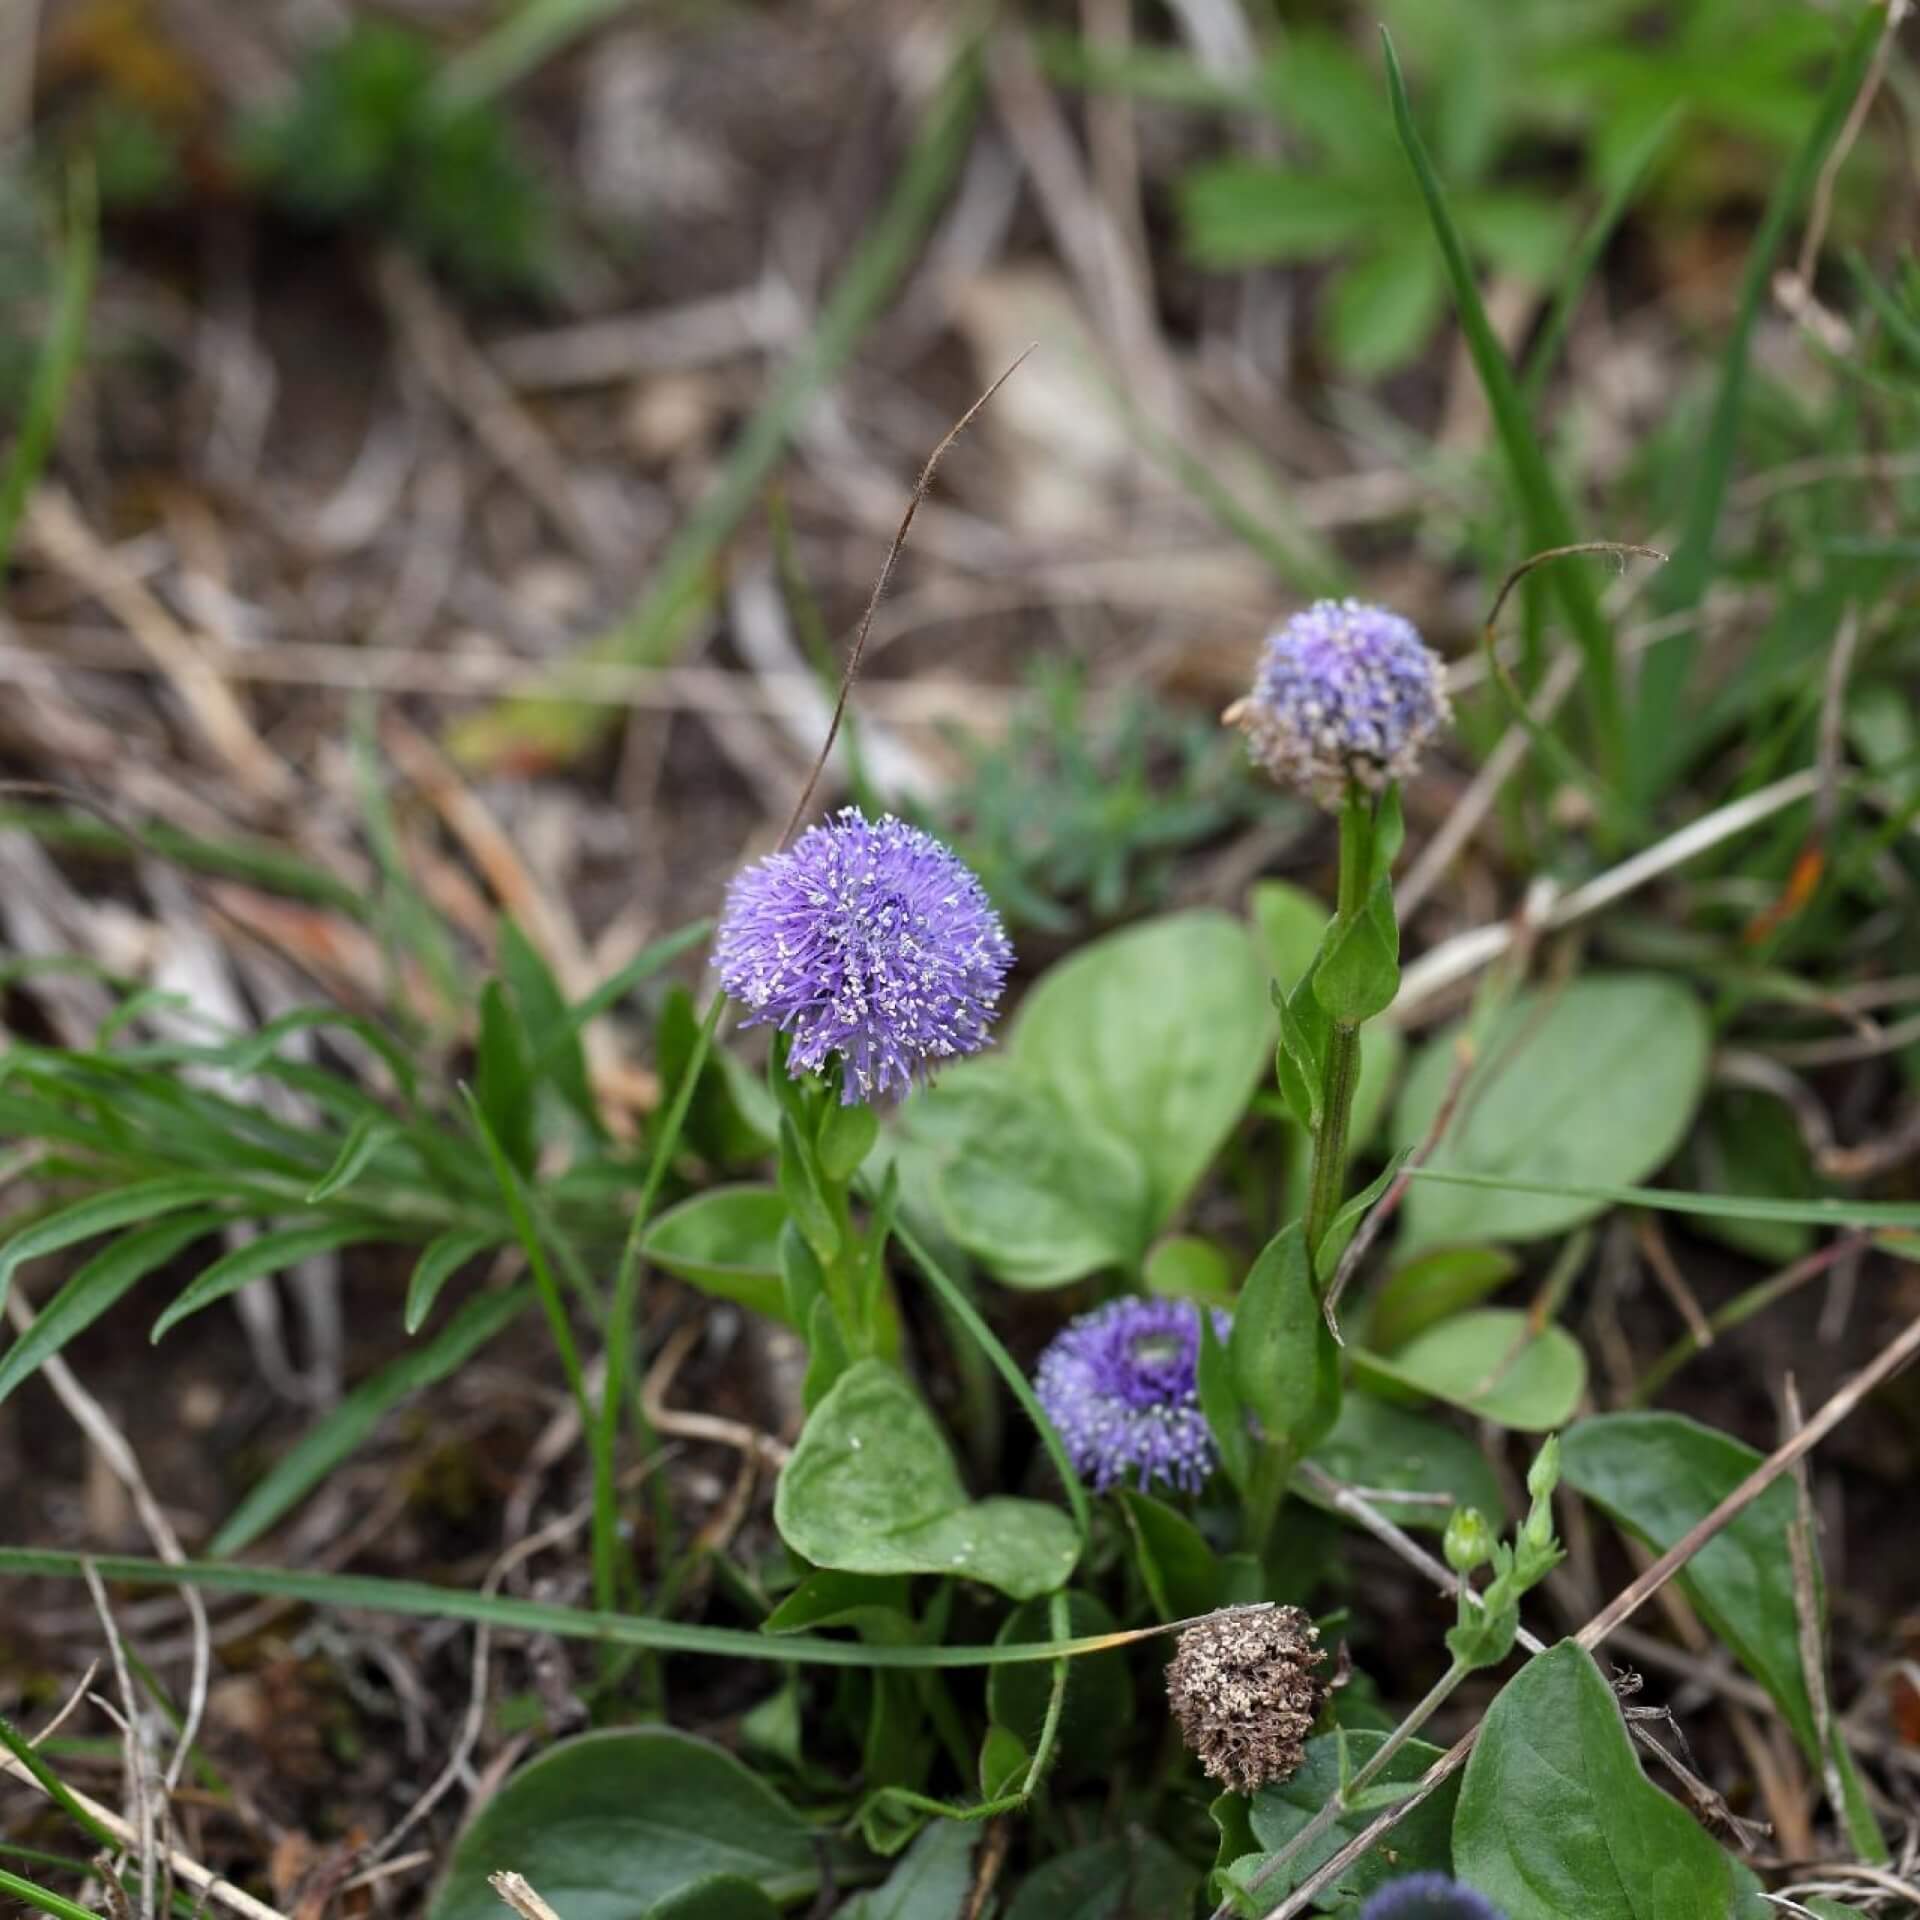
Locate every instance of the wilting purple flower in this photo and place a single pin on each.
(1345, 692)
(866, 939)
(1122, 1386)
(1428, 1896)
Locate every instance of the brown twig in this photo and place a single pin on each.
(1673, 1283)
(1806, 1606)
(1627, 1602)
(852, 670)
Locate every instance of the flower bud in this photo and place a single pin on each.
(1469, 1541)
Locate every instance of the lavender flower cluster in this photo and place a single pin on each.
(1345, 693)
(1121, 1386)
(866, 940)
(1428, 1896)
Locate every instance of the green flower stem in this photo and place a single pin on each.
(1266, 1490)
(1342, 1074)
(1341, 1802)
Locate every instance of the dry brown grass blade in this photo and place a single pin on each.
(852, 671)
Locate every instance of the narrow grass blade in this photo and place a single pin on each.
(533, 31)
(1586, 256)
(256, 862)
(144, 1200)
(1706, 1206)
(1547, 521)
(370, 1133)
(265, 1254)
(1008, 1368)
(348, 1426)
(44, 1899)
(95, 1289)
(56, 1789)
(416, 1598)
(1660, 718)
(442, 1259)
(527, 1229)
(624, 1315)
(59, 354)
(615, 988)
(406, 917)
(556, 728)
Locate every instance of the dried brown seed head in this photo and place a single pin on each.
(1246, 1688)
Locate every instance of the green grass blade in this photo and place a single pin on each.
(32, 1894)
(555, 727)
(443, 1258)
(625, 1312)
(256, 862)
(615, 988)
(527, 1228)
(1900, 325)
(144, 1200)
(532, 32)
(1660, 716)
(59, 355)
(406, 918)
(1548, 523)
(416, 1598)
(1861, 1214)
(266, 1253)
(347, 1427)
(95, 1289)
(1586, 255)
(369, 1134)
(56, 1789)
(1008, 1368)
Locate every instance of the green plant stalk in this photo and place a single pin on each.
(1266, 1489)
(1548, 522)
(624, 1308)
(1342, 1801)
(1659, 732)
(42, 1898)
(1342, 1074)
(59, 355)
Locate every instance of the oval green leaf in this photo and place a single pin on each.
(1158, 1036)
(726, 1242)
(1493, 1364)
(1556, 1818)
(608, 1825)
(1591, 1085)
(873, 1488)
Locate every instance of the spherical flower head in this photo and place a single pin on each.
(1121, 1384)
(1428, 1896)
(1346, 693)
(1246, 1688)
(866, 940)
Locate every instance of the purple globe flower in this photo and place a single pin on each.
(1121, 1384)
(869, 940)
(1345, 693)
(1428, 1896)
